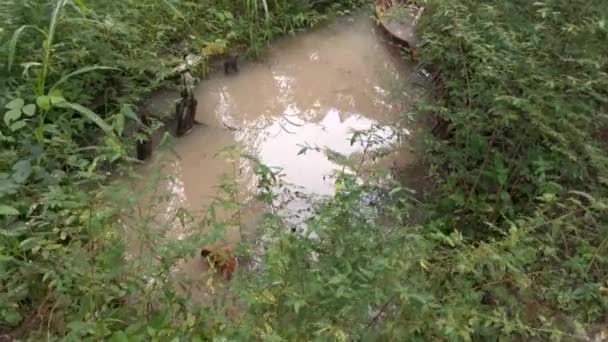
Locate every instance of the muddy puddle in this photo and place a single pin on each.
(313, 90)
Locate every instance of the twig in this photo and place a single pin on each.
(466, 75)
(418, 15)
(483, 167)
(594, 256)
(237, 197)
(379, 314)
(29, 322)
(363, 156)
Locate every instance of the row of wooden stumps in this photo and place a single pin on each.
(185, 107)
(185, 114)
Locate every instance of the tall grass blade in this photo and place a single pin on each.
(48, 46)
(12, 46)
(266, 11)
(178, 13)
(87, 113)
(252, 8)
(54, 19)
(78, 72)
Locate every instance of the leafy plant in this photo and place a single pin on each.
(70, 69)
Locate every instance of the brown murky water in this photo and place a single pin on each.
(315, 89)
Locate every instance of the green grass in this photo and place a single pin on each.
(72, 72)
(512, 245)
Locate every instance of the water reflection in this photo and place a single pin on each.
(279, 145)
(314, 89)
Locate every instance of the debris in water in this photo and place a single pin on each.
(222, 259)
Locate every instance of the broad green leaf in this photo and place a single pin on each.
(56, 96)
(89, 114)
(30, 243)
(6, 258)
(119, 336)
(29, 109)
(7, 185)
(13, 231)
(57, 100)
(119, 123)
(44, 102)
(12, 316)
(55, 93)
(18, 125)
(12, 115)
(15, 104)
(22, 171)
(128, 112)
(39, 132)
(6, 210)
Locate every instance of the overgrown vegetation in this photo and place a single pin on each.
(72, 72)
(512, 243)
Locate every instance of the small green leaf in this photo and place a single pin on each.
(15, 104)
(298, 304)
(6, 258)
(128, 112)
(12, 317)
(15, 231)
(335, 280)
(56, 96)
(80, 327)
(30, 243)
(119, 124)
(22, 171)
(12, 115)
(119, 336)
(29, 109)
(57, 99)
(5, 210)
(39, 132)
(55, 93)
(44, 102)
(18, 125)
